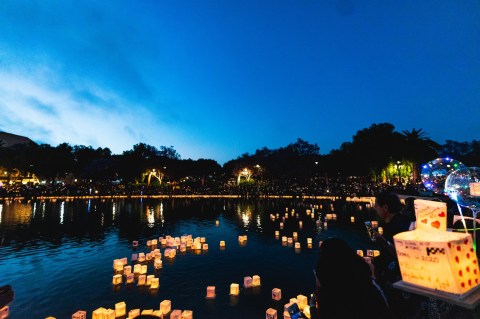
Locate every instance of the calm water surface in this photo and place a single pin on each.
(58, 255)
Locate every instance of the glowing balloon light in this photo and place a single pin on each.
(435, 172)
(463, 187)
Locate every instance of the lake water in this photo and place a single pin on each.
(58, 255)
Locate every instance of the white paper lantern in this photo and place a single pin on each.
(117, 279)
(210, 292)
(430, 215)
(176, 314)
(130, 279)
(247, 282)
(120, 309)
(302, 301)
(165, 306)
(276, 294)
(234, 289)
(271, 314)
(439, 260)
(155, 282)
(142, 280)
(256, 281)
(187, 314)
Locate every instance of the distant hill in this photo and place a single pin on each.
(9, 140)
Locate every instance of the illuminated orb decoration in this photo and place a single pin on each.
(435, 172)
(463, 186)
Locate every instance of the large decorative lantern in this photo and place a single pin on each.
(431, 215)
(438, 260)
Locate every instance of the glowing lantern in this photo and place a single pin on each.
(148, 256)
(165, 306)
(309, 241)
(120, 309)
(352, 219)
(205, 247)
(187, 314)
(198, 245)
(277, 233)
(155, 283)
(271, 314)
(438, 260)
(281, 225)
(290, 240)
(297, 245)
(276, 294)
(210, 292)
(149, 280)
(156, 313)
(222, 243)
(295, 235)
(380, 230)
(360, 252)
(430, 214)
(325, 225)
(137, 268)
(374, 224)
(156, 253)
(141, 257)
(277, 215)
(98, 313)
(234, 289)
(80, 314)
(124, 260)
(256, 281)
(247, 282)
(163, 242)
(203, 239)
(284, 239)
(144, 269)
(147, 312)
(308, 211)
(130, 279)
(118, 265)
(109, 314)
(117, 279)
(154, 242)
(312, 215)
(217, 223)
(142, 280)
(302, 302)
(149, 243)
(133, 313)
(300, 224)
(176, 314)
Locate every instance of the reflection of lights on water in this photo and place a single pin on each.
(62, 211)
(113, 211)
(246, 217)
(88, 207)
(162, 220)
(102, 220)
(259, 223)
(1, 209)
(150, 217)
(43, 209)
(34, 210)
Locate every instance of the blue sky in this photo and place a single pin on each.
(216, 79)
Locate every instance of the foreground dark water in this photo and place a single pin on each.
(58, 255)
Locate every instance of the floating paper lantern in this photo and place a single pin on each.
(374, 224)
(141, 257)
(276, 294)
(165, 306)
(284, 239)
(80, 314)
(156, 313)
(148, 256)
(157, 263)
(271, 314)
(438, 260)
(300, 224)
(187, 314)
(281, 225)
(256, 281)
(205, 247)
(154, 242)
(120, 309)
(277, 233)
(130, 279)
(163, 242)
(352, 219)
(360, 252)
(302, 302)
(133, 313)
(176, 314)
(309, 241)
(222, 243)
(312, 215)
(124, 261)
(380, 230)
(117, 279)
(369, 252)
(118, 265)
(147, 312)
(149, 243)
(430, 214)
(203, 239)
(137, 268)
(144, 269)
(308, 211)
(278, 215)
(109, 314)
(134, 257)
(295, 235)
(149, 280)
(183, 248)
(142, 280)
(98, 313)
(234, 289)
(290, 240)
(156, 253)
(210, 292)
(325, 225)
(247, 282)
(154, 283)
(297, 245)
(217, 223)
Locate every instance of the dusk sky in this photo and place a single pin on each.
(216, 79)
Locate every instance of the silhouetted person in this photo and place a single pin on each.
(345, 286)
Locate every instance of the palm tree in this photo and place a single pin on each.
(419, 148)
